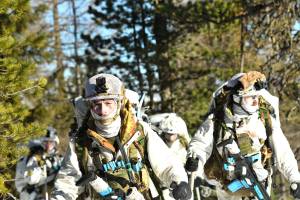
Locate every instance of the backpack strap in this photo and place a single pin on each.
(266, 111)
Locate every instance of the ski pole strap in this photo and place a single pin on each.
(232, 162)
(246, 183)
(247, 178)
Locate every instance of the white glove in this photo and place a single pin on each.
(48, 164)
(233, 148)
(101, 186)
(33, 176)
(134, 194)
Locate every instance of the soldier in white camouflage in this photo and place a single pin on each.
(114, 155)
(241, 141)
(36, 172)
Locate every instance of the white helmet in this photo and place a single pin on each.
(105, 86)
(51, 135)
(155, 121)
(173, 124)
(132, 96)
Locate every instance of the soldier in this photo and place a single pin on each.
(112, 155)
(241, 140)
(174, 133)
(36, 171)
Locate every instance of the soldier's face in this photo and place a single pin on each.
(49, 146)
(251, 100)
(170, 137)
(104, 107)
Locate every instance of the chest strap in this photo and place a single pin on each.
(120, 164)
(101, 140)
(130, 141)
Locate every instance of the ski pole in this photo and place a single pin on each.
(45, 185)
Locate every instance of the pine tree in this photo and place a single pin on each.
(274, 38)
(211, 41)
(21, 47)
(123, 44)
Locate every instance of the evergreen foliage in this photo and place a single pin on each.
(192, 49)
(21, 46)
(213, 38)
(124, 43)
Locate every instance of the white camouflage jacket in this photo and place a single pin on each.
(158, 154)
(202, 144)
(30, 175)
(179, 151)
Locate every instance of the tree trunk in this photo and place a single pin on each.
(150, 74)
(242, 56)
(161, 37)
(58, 51)
(136, 49)
(77, 67)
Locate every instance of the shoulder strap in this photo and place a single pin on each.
(183, 142)
(266, 110)
(101, 140)
(82, 156)
(140, 143)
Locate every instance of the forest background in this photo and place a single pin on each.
(177, 52)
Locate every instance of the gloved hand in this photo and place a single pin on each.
(201, 182)
(181, 191)
(48, 163)
(295, 190)
(114, 195)
(198, 182)
(191, 164)
(52, 163)
(134, 194)
(101, 187)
